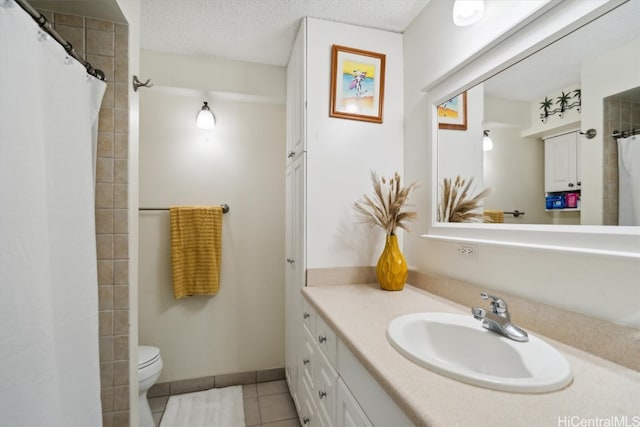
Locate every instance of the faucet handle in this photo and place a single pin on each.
(498, 305)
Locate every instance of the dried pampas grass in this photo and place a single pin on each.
(385, 208)
(455, 206)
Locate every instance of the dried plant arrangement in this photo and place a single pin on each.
(385, 208)
(456, 205)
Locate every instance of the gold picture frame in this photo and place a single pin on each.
(453, 113)
(357, 84)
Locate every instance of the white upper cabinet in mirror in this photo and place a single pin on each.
(544, 86)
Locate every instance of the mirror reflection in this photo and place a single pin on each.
(553, 138)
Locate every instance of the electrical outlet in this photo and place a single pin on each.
(468, 251)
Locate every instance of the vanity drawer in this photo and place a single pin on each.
(309, 357)
(309, 317)
(326, 340)
(325, 387)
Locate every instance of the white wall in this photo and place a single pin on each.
(603, 287)
(460, 151)
(341, 153)
(514, 169)
(240, 163)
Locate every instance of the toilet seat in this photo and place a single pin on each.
(147, 355)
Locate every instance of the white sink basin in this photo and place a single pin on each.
(458, 347)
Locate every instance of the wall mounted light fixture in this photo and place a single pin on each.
(205, 119)
(487, 143)
(467, 12)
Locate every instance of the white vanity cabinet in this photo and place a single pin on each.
(336, 389)
(561, 163)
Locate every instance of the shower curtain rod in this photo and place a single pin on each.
(45, 25)
(625, 133)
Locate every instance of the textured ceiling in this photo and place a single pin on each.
(259, 31)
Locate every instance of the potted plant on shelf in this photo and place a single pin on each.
(386, 209)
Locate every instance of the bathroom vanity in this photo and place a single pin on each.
(355, 318)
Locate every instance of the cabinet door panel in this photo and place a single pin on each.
(348, 412)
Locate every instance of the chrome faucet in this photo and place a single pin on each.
(499, 320)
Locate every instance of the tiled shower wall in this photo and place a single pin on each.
(620, 114)
(105, 45)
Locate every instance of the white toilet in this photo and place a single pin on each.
(149, 368)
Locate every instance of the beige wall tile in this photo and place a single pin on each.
(120, 419)
(104, 221)
(105, 323)
(121, 272)
(104, 195)
(100, 25)
(106, 374)
(120, 196)
(100, 42)
(121, 146)
(121, 373)
(120, 398)
(104, 169)
(120, 221)
(121, 246)
(121, 120)
(106, 298)
(121, 347)
(121, 95)
(121, 297)
(104, 246)
(61, 18)
(121, 322)
(121, 69)
(106, 120)
(105, 144)
(121, 171)
(106, 349)
(106, 395)
(105, 272)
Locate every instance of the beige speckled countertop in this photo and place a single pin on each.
(602, 391)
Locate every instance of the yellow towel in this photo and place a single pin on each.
(196, 249)
(493, 216)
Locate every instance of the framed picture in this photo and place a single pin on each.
(357, 84)
(453, 113)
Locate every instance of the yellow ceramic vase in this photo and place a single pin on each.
(392, 267)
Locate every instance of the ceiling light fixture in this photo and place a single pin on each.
(467, 12)
(487, 143)
(206, 119)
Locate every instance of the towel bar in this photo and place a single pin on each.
(225, 208)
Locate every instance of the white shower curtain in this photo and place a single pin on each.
(49, 360)
(629, 181)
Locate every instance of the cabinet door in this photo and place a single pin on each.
(560, 163)
(348, 412)
(294, 275)
(296, 98)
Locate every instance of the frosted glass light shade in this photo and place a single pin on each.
(205, 119)
(467, 12)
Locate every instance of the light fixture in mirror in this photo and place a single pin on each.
(205, 119)
(487, 142)
(578, 82)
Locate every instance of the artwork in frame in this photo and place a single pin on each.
(453, 113)
(357, 84)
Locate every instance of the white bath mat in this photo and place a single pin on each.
(217, 407)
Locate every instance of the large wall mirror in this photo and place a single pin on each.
(544, 170)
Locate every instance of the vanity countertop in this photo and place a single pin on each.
(601, 392)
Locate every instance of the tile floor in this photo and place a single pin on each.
(266, 404)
